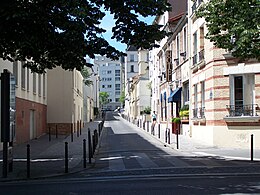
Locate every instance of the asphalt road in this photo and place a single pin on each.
(136, 185)
(129, 161)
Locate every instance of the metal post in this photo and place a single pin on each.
(159, 131)
(166, 135)
(5, 159)
(80, 127)
(252, 147)
(71, 132)
(177, 138)
(84, 154)
(169, 134)
(148, 126)
(28, 161)
(94, 144)
(49, 134)
(5, 117)
(56, 131)
(77, 129)
(89, 147)
(66, 158)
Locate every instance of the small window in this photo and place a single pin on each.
(132, 57)
(132, 68)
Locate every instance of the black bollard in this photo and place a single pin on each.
(177, 138)
(49, 134)
(166, 135)
(94, 144)
(84, 154)
(56, 131)
(28, 161)
(148, 127)
(169, 139)
(252, 147)
(80, 127)
(159, 131)
(66, 158)
(89, 147)
(71, 132)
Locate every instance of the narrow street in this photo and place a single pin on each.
(129, 160)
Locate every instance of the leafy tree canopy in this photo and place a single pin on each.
(46, 34)
(86, 76)
(234, 25)
(103, 98)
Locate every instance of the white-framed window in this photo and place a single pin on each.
(39, 85)
(15, 72)
(34, 83)
(132, 68)
(109, 72)
(132, 57)
(117, 78)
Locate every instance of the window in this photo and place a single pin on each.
(132, 68)
(185, 40)
(195, 111)
(34, 82)
(202, 109)
(15, 71)
(242, 96)
(103, 86)
(195, 44)
(117, 72)
(117, 93)
(109, 72)
(177, 50)
(238, 90)
(117, 99)
(186, 93)
(39, 85)
(117, 86)
(117, 78)
(22, 75)
(109, 86)
(132, 57)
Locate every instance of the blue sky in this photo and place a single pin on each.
(108, 23)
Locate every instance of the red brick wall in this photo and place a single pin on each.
(23, 108)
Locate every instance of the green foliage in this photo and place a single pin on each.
(103, 98)
(45, 34)
(122, 96)
(184, 111)
(234, 25)
(95, 111)
(147, 110)
(86, 75)
(176, 120)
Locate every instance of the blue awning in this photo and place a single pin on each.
(175, 95)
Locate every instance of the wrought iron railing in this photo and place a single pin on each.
(201, 55)
(242, 110)
(194, 60)
(199, 112)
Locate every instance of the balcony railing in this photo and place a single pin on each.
(199, 112)
(201, 55)
(242, 110)
(194, 60)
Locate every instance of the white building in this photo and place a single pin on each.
(131, 69)
(110, 80)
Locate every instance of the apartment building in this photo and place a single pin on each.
(139, 89)
(131, 70)
(168, 65)
(224, 91)
(110, 80)
(65, 100)
(29, 101)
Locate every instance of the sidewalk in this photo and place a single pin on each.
(191, 147)
(47, 157)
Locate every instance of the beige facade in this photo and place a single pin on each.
(224, 93)
(65, 100)
(30, 97)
